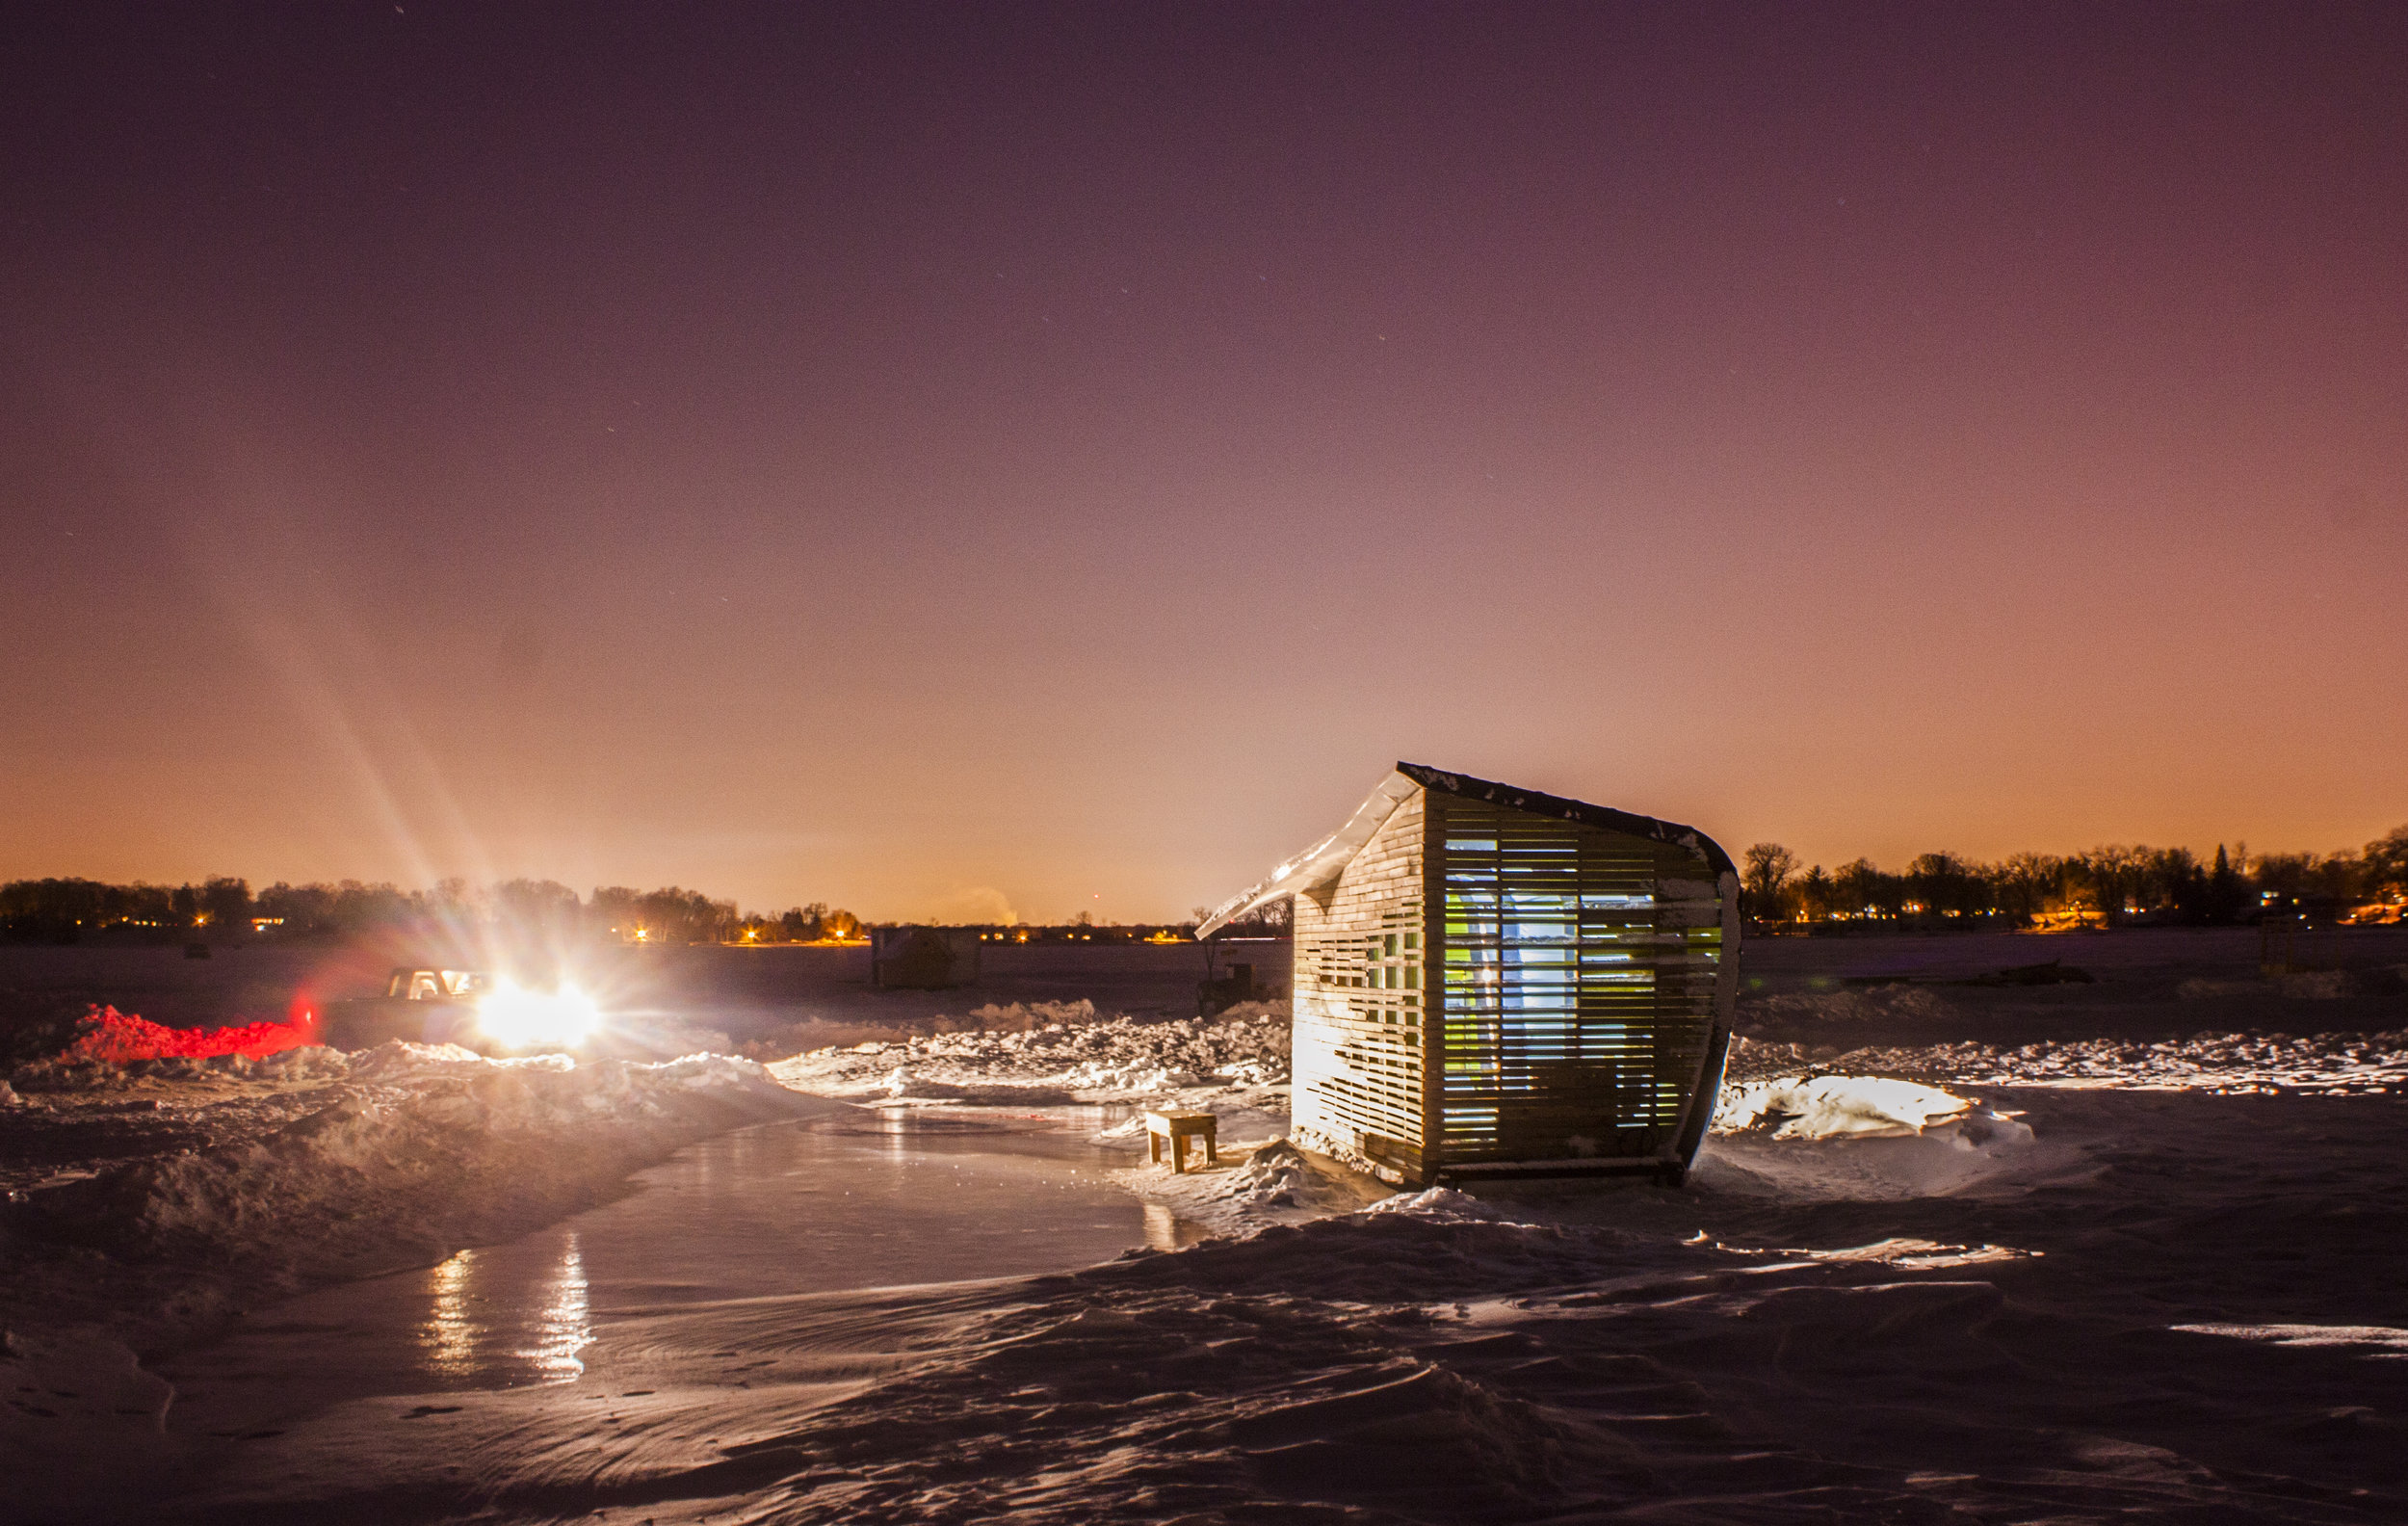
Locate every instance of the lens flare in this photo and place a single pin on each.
(514, 1017)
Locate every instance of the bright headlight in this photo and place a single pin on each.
(516, 1018)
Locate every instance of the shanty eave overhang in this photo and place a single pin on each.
(1319, 864)
(1322, 863)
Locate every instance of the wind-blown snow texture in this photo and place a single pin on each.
(2065, 1338)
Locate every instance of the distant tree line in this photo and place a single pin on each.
(1274, 919)
(224, 909)
(526, 914)
(2111, 886)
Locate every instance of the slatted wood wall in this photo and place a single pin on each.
(1361, 1023)
(1579, 970)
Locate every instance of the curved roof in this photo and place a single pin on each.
(1538, 804)
(1322, 863)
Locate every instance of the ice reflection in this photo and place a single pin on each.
(448, 1337)
(566, 1329)
(1166, 1230)
(790, 1208)
(1161, 1229)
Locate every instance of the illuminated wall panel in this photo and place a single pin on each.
(1362, 1034)
(1579, 975)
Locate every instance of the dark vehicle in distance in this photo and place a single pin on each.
(420, 1006)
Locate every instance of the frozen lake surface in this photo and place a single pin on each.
(2177, 1298)
(2171, 1307)
(873, 1199)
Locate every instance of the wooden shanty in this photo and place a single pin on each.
(1493, 982)
(923, 957)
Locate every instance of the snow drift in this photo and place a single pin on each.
(1018, 1059)
(414, 1153)
(2326, 1063)
(107, 1035)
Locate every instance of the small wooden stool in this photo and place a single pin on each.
(1176, 1129)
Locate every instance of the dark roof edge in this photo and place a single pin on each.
(1538, 804)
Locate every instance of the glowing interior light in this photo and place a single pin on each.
(516, 1018)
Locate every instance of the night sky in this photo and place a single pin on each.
(959, 460)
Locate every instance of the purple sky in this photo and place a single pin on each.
(942, 459)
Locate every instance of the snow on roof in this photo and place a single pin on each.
(1319, 864)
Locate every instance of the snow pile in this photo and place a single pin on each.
(1271, 1175)
(1836, 1107)
(1272, 1183)
(397, 1060)
(704, 1071)
(1018, 1059)
(1096, 1075)
(904, 1085)
(310, 1063)
(1280, 1176)
(2327, 1063)
(1440, 1205)
(1020, 1018)
(107, 1035)
(421, 1151)
(1878, 1138)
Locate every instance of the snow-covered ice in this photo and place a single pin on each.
(2110, 1344)
(2108, 1252)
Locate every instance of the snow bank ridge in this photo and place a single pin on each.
(1051, 1062)
(2325, 1063)
(422, 1149)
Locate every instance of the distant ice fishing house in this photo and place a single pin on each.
(1493, 982)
